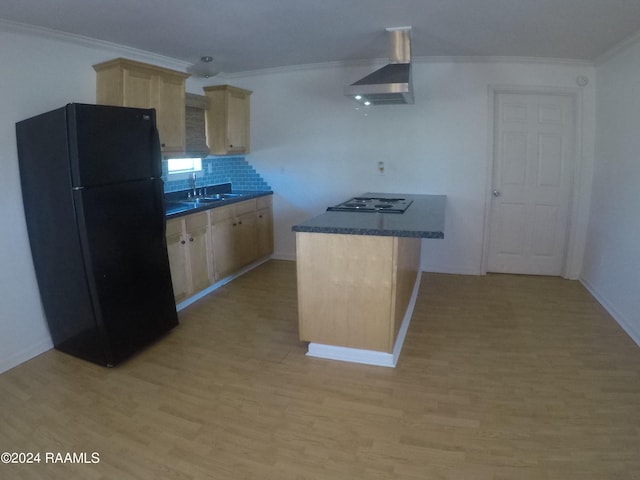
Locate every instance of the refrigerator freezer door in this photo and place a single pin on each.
(122, 233)
(112, 144)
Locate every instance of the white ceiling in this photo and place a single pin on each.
(245, 35)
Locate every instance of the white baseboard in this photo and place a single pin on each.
(354, 355)
(284, 256)
(631, 329)
(25, 354)
(371, 357)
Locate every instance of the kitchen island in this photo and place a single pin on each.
(358, 278)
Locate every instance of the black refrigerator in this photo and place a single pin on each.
(94, 207)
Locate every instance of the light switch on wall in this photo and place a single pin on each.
(381, 168)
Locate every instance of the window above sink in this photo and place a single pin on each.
(180, 168)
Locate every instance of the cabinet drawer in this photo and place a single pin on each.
(263, 202)
(196, 220)
(174, 227)
(245, 207)
(221, 213)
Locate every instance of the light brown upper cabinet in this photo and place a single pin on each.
(227, 120)
(127, 83)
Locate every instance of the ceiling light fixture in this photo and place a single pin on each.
(204, 68)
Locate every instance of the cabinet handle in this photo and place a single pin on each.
(259, 216)
(191, 239)
(182, 242)
(235, 224)
(240, 223)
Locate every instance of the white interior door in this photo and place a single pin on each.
(534, 144)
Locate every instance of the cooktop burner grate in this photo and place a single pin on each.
(372, 204)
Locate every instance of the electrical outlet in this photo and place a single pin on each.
(381, 168)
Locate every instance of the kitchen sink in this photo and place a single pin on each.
(175, 206)
(222, 196)
(197, 202)
(201, 200)
(188, 203)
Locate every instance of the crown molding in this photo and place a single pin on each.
(119, 50)
(301, 67)
(123, 50)
(383, 61)
(617, 49)
(504, 59)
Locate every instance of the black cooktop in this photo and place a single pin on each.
(372, 204)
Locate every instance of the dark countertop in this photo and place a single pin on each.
(175, 211)
(423, 219)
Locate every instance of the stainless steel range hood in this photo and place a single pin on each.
(390, 85)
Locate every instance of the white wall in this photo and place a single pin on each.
(612, 258)
(315, 149)
(308, 142)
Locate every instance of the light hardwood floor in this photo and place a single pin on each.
(501, 377)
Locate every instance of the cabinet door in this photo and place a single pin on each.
(265, 232)
(176, 248)
(138, 89)
(245, 237)
(224, 256)
(198, 258)
(237, 122)
(227, 119)
(170, 111)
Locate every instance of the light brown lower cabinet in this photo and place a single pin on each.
(222, 242)
(209, 246)
(264, 226)
(188, 245)
(234, 234)
(246, 238)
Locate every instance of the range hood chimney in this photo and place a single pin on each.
(390, 85)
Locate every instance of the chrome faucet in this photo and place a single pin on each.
(193, 183)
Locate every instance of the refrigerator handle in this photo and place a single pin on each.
(156, 153)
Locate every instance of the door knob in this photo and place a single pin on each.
(496, 193)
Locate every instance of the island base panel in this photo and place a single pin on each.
(353, 290)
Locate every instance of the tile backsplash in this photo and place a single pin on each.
(215, 170)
